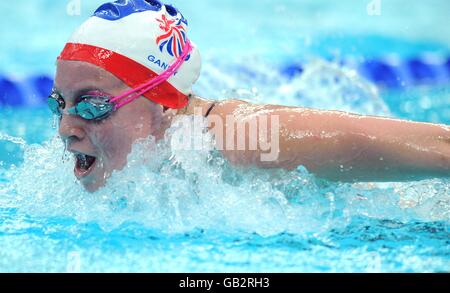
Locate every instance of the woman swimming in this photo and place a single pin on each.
(127, 73)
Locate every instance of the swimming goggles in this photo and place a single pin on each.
(99, 107)
(89, 107)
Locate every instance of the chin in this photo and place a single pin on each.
(93, 186)
(97, 179)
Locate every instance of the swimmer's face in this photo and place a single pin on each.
(100, 147)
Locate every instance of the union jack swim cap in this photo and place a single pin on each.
(136, 40)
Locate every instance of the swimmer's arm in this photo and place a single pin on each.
(345, 147)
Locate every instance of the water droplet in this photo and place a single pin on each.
(66, 155)
(55, 121)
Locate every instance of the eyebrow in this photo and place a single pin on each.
(80, 92)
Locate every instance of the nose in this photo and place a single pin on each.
(71, 128)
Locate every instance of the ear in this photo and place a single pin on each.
(168, 112)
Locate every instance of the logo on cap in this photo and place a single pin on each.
(173, 38)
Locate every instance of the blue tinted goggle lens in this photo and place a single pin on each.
(89, 108)
(93, 108)
(56, 104)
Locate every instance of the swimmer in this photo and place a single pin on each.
(127, 73)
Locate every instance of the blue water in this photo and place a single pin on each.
(193, 212)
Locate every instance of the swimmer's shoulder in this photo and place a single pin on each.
(222, 108)
(209, 107)
(227, 107)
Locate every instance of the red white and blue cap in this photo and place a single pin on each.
(136, 40)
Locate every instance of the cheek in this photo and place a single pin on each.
(141, 128)
(112, 142)
(113, 138)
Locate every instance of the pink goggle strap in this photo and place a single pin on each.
(132, 94)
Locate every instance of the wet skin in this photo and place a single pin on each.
(333, 145)
(109, 140)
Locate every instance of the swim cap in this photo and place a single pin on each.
(136, 40)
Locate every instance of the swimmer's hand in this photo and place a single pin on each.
(334, 145)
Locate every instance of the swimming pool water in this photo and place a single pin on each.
(281, 31)
(191, 211)
(195, 213)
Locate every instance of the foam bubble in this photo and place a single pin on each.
(175, 190)
(322, 85)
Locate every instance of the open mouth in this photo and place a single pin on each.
(84, 164)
